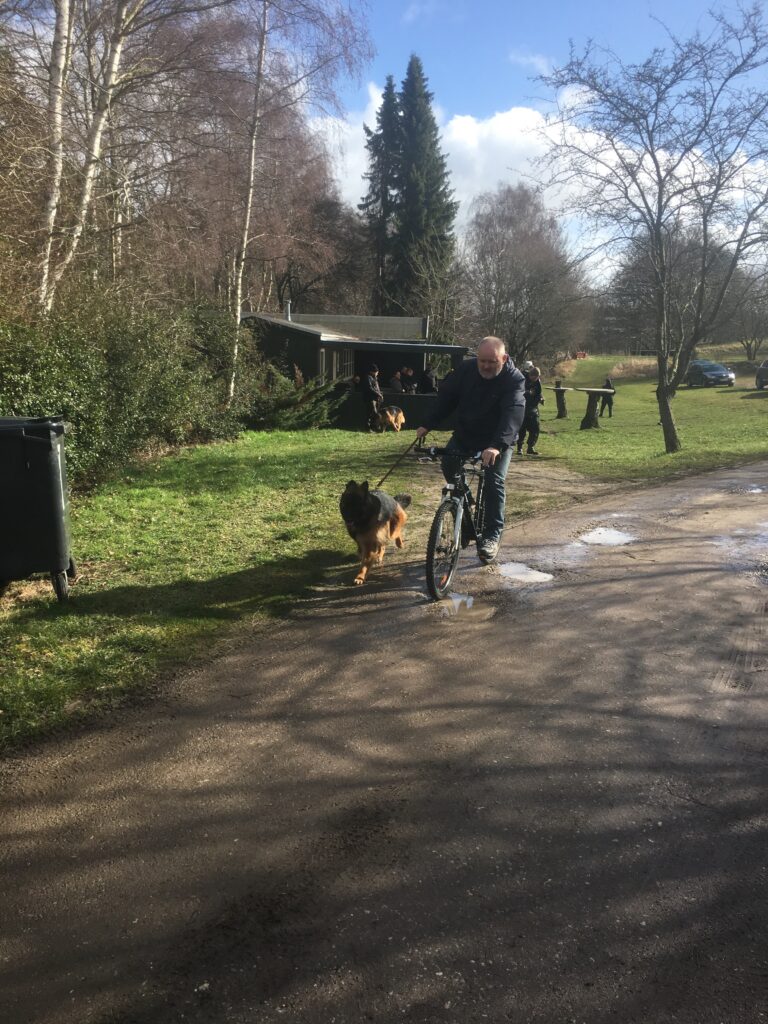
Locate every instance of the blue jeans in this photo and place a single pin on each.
(495, 476)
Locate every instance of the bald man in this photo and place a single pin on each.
(487, 396)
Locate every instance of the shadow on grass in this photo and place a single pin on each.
(268, 589)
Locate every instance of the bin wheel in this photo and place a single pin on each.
(72, 569)
(60, 585)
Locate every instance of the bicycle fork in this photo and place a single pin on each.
(462, 521)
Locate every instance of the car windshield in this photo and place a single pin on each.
(712, 366)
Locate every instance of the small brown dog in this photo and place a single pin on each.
(391, 416)
(373, 518)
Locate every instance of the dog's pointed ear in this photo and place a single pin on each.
(351, 485)
(364, 486)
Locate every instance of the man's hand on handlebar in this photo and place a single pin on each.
(489, 456)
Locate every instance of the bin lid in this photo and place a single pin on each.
(33, 425)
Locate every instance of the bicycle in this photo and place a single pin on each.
(458, 521)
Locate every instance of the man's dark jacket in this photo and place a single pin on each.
(489, 413)
(371, 388)
(533, 395)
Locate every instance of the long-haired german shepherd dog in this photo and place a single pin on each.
(390, 416)
(373, 518)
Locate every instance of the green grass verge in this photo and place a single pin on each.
(180, 552)
(717, 426)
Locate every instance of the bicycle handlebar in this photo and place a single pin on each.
(434, 453)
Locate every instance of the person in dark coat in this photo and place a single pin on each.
(428, 381)
(372, 396)
(533, 399)
(407, 379)
(606, 401)
(486, 395)
(395, 384)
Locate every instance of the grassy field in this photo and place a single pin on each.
(716, 425)
(180, 552)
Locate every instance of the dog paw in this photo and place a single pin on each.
(359, 580)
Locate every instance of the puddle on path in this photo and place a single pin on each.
(561, 556)
(518, 572)
(607, 537)
(463, 606)
(746, 548)
(747, 489)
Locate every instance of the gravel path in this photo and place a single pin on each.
(536, 802)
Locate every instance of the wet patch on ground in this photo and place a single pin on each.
(747, 549)
(747, 489)
(518, 572)
(607, 537)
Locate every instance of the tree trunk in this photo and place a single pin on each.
(671, 441)
(240, 255)
(590, 420)
(105, 89)
(60, 57)
(562, 409)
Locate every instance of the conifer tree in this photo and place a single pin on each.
(409, 204)
(425, 209)
(379, 204)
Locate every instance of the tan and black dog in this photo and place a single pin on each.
(391, 416)
(373, 519)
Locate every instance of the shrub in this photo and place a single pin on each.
(281, 403)
(123, 379)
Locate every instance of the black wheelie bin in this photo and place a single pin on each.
(34, 502)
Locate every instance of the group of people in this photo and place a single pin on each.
(402, 381)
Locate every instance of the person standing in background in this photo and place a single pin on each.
(533, 399)
(606, 401)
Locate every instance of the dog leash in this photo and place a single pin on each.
(397, 463)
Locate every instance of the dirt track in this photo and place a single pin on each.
(541, 802)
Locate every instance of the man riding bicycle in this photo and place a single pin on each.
(487, 395)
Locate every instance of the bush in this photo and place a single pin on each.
(281, 403)
(123, 379)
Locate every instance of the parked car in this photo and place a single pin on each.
(761, 377)
(706, 374)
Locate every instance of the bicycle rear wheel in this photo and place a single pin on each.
(442, 549)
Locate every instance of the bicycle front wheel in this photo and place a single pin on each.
(443, 549)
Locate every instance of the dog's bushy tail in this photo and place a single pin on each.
(403, 500)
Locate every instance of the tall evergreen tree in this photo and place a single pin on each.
(423, 243)
(384, 145)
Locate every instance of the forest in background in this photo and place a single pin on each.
(159, 176)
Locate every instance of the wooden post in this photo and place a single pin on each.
(562, 412)
(590, 421)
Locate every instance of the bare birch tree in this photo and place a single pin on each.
(297, 49)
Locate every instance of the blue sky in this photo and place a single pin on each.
(479, 58)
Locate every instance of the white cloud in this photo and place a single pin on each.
(480, 152)
(419, 9)
(532, 61)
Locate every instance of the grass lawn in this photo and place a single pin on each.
(181, 551)
(716, 425)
